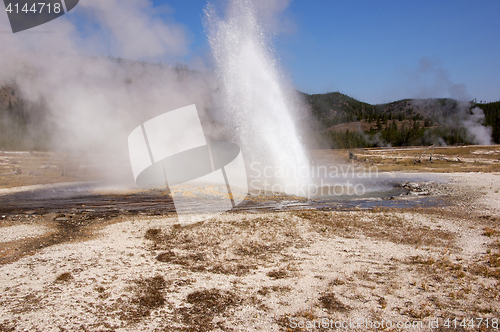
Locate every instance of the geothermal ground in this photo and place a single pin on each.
(117, 262)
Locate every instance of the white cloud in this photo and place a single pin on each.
(134, 30)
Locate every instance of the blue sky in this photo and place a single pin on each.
(372, 50)
(378, 51)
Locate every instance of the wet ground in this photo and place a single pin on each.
(85, 199)
(73, 212)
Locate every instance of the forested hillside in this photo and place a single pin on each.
(348, 123)
(23, 125)
(340, 121)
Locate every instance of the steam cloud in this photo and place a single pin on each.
(430, 80)
(479, 133)
(133, 29)
(95, 102)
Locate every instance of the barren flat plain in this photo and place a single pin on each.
(425, 259)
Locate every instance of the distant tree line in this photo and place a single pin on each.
(492, 118)
(397, 123)
(23, 126)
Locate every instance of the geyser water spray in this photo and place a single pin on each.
(255, 102)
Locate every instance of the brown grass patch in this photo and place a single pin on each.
(5, 328)
(444, 159)
(23, 169)
(285, 321)
(264, 290)
(237, 248)
(381, 224)
(205, 305)
(437, 265)
(331, 303)
(336, 282)
(488, 266)
(278, 274)
(152, 233)
(489, 232)
(166, 257)
(418, 312)
(148, 296)
(66, 276)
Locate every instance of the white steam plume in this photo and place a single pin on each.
(430, 80)
(255, 103)
(95, 102)
(478, 133)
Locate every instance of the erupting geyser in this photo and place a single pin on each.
(254, 101)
